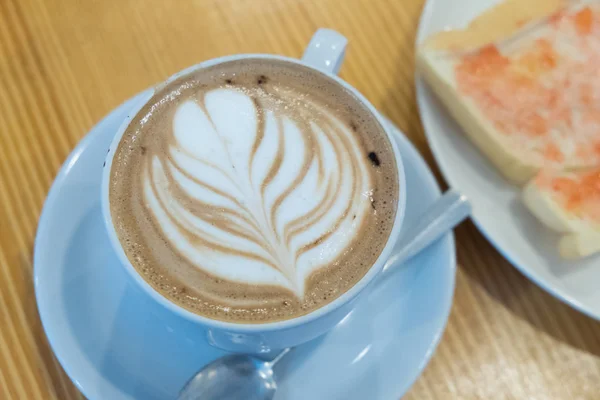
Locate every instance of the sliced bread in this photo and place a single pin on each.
(569, 203)
(522, 81)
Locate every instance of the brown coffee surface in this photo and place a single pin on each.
(308, 98)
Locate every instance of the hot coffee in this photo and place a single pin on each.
(253, 191)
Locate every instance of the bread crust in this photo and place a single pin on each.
(496, 24)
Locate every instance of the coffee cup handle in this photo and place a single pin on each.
(326, 51)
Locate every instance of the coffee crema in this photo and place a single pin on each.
(253, 191)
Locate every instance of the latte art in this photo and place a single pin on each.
(257, 193)
(253, 191)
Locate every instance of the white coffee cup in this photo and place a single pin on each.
(324, 53)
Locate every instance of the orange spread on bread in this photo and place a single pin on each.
(583, 21)
(577, 193)
(542, 93)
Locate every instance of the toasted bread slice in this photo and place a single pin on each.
(522, 96)
(569, 203)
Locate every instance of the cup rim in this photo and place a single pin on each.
(242, 327)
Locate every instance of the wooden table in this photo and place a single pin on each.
(66, 63)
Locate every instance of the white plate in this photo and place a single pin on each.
(497, 209)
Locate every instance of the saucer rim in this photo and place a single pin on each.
(49, 203)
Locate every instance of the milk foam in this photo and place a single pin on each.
(253, 190)
(256, 193)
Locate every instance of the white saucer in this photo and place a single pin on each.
(116, 343)
(497, 209)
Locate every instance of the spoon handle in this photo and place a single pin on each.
(443, 215)
(279, 357)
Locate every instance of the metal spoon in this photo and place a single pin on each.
(237, 376)
(240, 376)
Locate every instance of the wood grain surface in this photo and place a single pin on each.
(65, 63)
